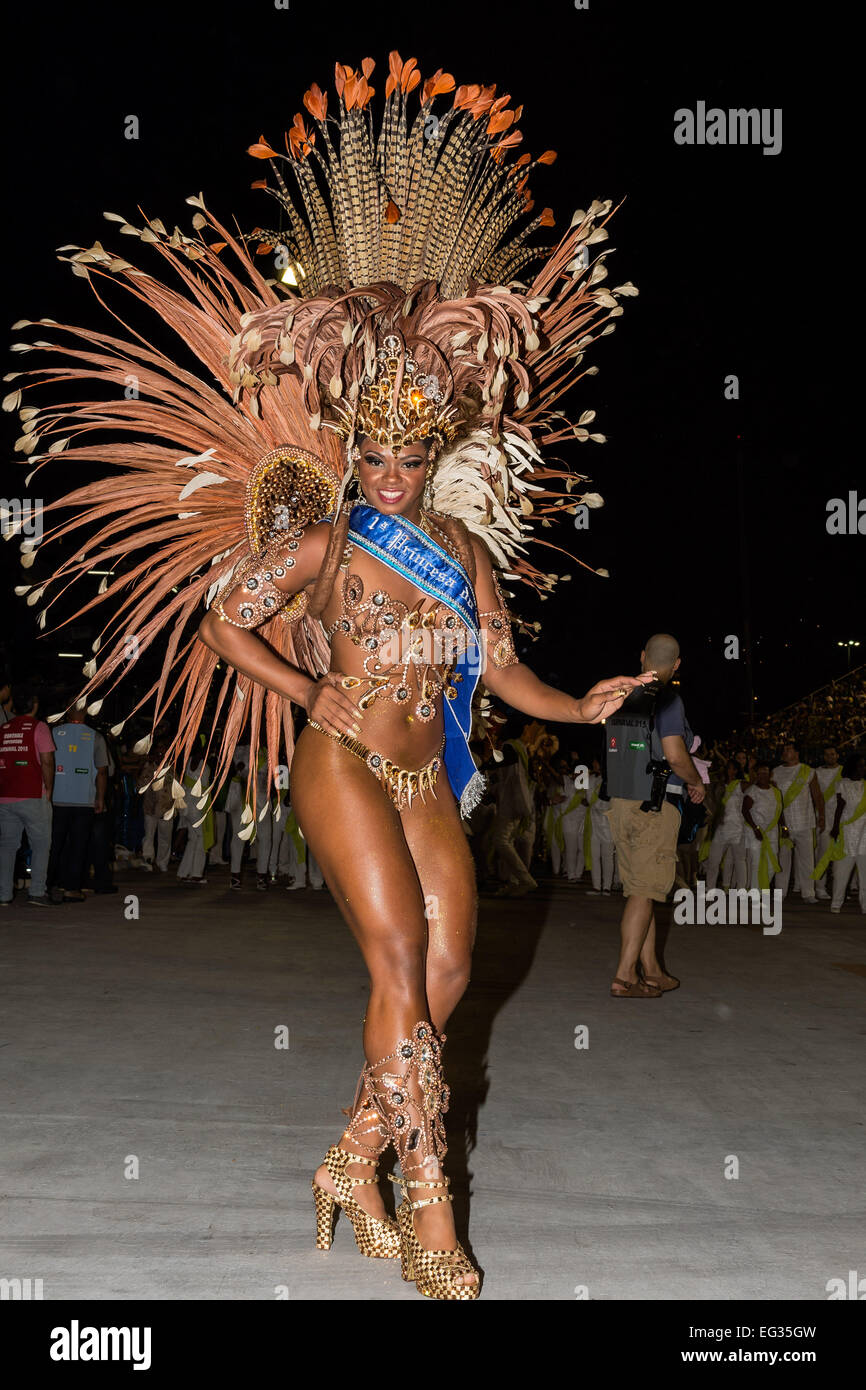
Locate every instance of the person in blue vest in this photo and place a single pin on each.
(26, 785)
(648, 772)
(80, 786)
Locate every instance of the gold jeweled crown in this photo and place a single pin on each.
(419, 411)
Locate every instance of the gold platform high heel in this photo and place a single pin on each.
(375, 1237)
(408, 1090)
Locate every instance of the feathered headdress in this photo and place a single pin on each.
(416, 233)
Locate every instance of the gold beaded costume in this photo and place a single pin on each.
(408, 300)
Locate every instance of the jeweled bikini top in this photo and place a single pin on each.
(410, 652)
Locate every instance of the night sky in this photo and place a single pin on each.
(726, 244)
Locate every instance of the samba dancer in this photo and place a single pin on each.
(399, 345)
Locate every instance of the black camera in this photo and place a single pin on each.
(661, 771)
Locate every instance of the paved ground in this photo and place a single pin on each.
(596, 1171)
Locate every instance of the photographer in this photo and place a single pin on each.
(648, 771)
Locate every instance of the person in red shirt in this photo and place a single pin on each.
(26, 786)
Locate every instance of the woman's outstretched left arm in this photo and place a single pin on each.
(506, 677)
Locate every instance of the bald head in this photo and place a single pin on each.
(661, 654)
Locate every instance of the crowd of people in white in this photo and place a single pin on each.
(276, 844)
(792, 827)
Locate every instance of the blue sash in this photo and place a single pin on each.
(408, 550)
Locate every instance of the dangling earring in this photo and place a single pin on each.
(432, 456)
(354, 455)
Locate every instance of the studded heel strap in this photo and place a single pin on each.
(425, 1201)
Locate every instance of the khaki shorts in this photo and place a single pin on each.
(646, 847)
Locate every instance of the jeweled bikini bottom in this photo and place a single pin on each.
(401, 784)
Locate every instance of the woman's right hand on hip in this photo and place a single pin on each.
(331, 707)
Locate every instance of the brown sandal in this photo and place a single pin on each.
(635, 989)
(655, 981)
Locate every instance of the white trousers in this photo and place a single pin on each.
(603, 857)
(291, 864)
(215, 854)
(290, 859)
(525, 844)
(572, 834)
(735, 869)
(161, 832)
(269, 834)
(315, 877)
(237, 844)
(822, 884)
(753, 852)
(842, 871)
(192, 865)
(803, 859)
(510, 864)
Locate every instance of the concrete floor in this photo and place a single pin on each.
(595, 1172)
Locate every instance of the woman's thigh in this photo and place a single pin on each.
(357, 837)
(446, 871)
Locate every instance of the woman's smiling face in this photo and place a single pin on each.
(393, 483)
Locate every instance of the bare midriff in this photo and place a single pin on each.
(400, 646)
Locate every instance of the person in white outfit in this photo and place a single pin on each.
(293, 851)
(514, 803)
(157, 800)
(573, 823)
(268, 830)
(235, 810)
(729, 837)
(192, 866)
(849, 831)
(603, 853)
(215, 854)
(803, 809)
(762, 811)
(523, 837)
(296, 859)
(566, 826)
(829, 776)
